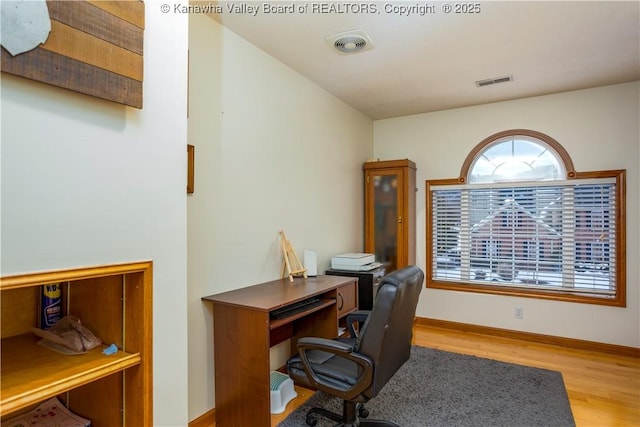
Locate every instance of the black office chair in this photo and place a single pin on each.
(356, 369)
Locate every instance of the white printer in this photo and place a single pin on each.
(354, 261)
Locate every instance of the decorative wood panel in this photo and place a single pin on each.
(191, 160)
(94, 47)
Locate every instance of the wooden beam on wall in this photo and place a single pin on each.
(94, 47)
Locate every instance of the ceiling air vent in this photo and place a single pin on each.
(496, 80)
(350, 42)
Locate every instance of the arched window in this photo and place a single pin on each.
(516, 158)
(519, 220)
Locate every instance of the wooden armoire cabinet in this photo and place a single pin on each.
(390, 212)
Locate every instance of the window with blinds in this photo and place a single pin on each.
(552, 236)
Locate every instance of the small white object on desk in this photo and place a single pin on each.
(311, 263)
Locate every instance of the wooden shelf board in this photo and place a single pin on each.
(31, 373)
(42, 278)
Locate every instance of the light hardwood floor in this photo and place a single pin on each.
(603, 389)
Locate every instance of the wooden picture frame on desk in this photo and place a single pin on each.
(191, 159)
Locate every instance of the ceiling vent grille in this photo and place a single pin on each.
(496, 80)
(349, 42)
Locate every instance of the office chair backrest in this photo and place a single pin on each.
(386, 335)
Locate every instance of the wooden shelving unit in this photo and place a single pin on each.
(390, 212)
(115, 303)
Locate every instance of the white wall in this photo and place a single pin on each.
(273, 151)
(599, 128)
(88, 182)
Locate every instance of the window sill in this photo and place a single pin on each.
(566, 296)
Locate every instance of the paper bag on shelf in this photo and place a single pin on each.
(69, 333)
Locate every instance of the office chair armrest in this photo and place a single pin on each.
(359, 317)
(342, 350)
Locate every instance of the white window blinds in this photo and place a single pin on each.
(554, 236)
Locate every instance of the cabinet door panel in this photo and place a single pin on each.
(347, 298)
(390, 212)
(387, 221)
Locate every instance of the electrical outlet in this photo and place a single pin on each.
(519, 313)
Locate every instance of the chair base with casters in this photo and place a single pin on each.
(357, 368)
(353, 414)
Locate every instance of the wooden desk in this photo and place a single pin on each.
(244, 331)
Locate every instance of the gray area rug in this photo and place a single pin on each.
(439, 388)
